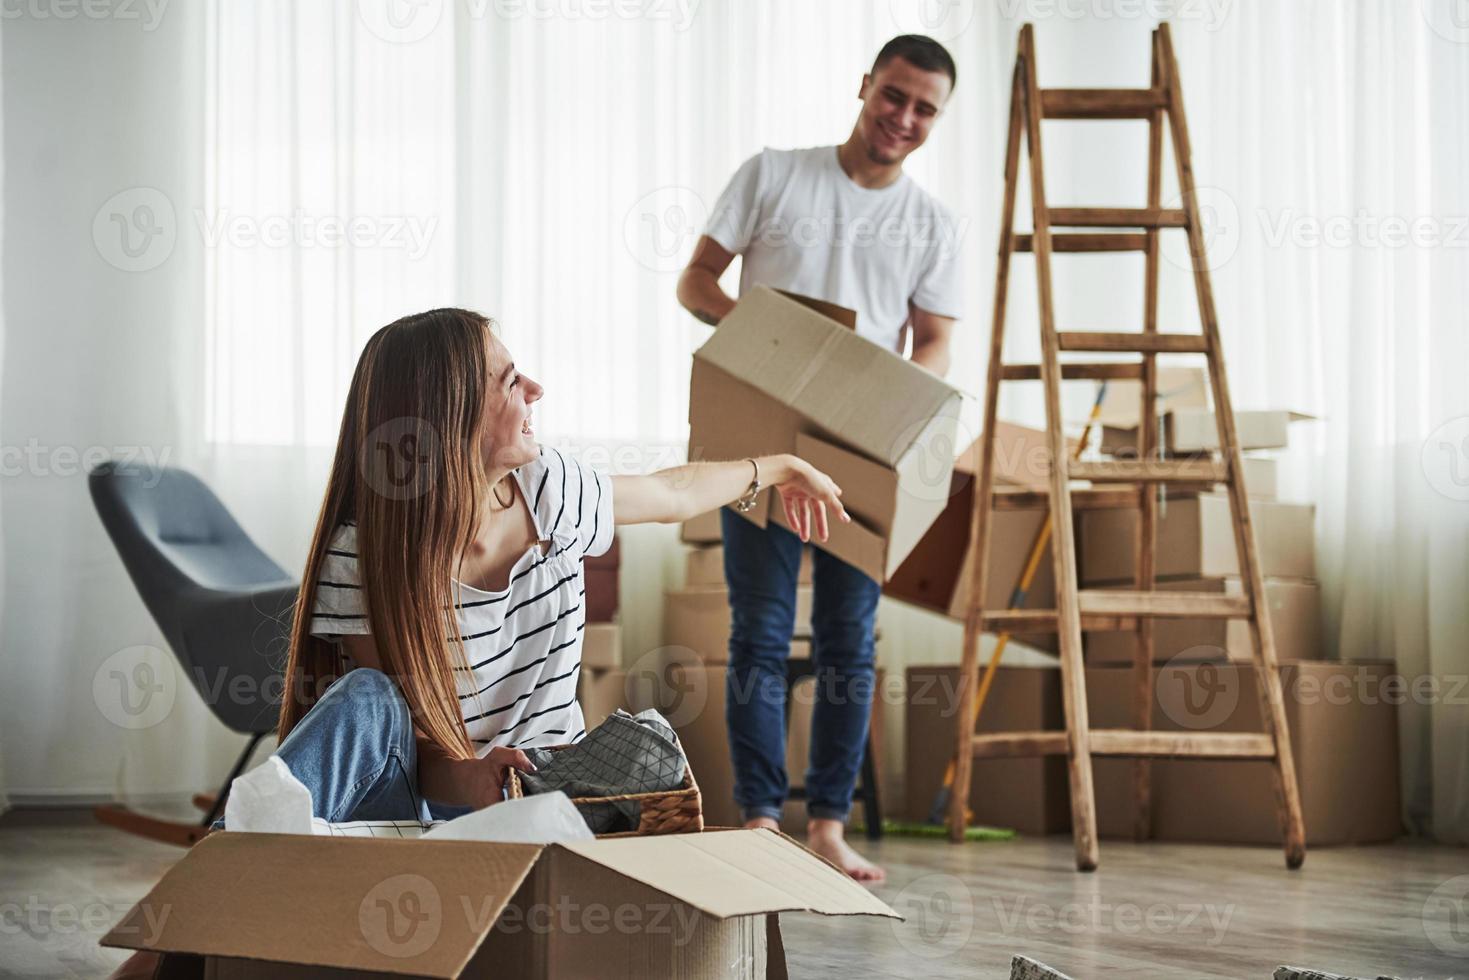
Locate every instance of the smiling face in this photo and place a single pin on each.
(509, 439)
(900, 103)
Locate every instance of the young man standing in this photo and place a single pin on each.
(842, 224)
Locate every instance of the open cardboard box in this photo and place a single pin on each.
(243, 906)
(784, 373)
(1194, 430)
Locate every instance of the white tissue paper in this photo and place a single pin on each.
(269, 799)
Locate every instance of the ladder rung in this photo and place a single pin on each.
(1105, 371)
(1125, 742)
(1208, 745)
(1023, 621)
(1138, 343)
(1082, 498)
(1087, 242)
(1165, 605)
(1101, 103)
(1150, 471)
(1117, 217)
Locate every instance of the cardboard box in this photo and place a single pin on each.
(1177, 387)
(270, 905)
(1022, 457)
(1295, 616)
(601, 647)
(699, 619)
(1192, 430)
(781, 375)
(601, 574)
(705, 567)
(1343, 722)
(704, 529)
(1196, 540)
(602, 692)
(695, 701)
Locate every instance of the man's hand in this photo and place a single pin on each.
(698, 284)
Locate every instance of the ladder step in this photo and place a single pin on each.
(1101, 103)
(1164, 605)
(1125, 742)
(1087, 242)
(1082, 498)
(1138, 343)
(1105, 371)
(1117, 217)
(1023, 621)
(1150, 471)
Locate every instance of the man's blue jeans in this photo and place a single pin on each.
(355, 752)
(761, 567)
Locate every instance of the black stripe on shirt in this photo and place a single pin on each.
(512, 612)
(596, 516)
(557, 523)
(519, 670)
(523, 697)
(539, 629)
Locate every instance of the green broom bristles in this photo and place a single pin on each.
(905, 828)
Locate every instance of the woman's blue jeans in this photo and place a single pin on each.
(355, 752)
(761, 567)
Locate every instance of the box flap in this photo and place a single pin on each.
(827, 373)
(842, 315)
(419, 907)
(734, 872)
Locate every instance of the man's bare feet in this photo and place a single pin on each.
(761, 823)
(826, 837)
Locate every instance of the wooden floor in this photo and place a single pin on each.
(1152, 911)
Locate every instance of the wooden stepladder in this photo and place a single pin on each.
(1132, 483)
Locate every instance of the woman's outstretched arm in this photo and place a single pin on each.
(681, 492)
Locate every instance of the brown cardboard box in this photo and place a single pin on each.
(601, 647)
(676, 905)
(1022, 458)
(1196, 540)
(704, 529)
(601, 575)
(1026, 795)
(1178, 387)
(1295, 614)
(601, 692)
(693, 699)
(781, 375)
(705, 567)
(1192, 430)
(698, 619)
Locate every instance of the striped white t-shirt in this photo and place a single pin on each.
(523, 644)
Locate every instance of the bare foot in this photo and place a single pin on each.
(826, 837)
(761, 823)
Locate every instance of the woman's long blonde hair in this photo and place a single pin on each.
(408, 471)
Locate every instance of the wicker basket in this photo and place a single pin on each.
(674, 811)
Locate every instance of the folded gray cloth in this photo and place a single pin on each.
(624, 754)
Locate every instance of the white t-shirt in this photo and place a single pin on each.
(524, 643)
(801, 224)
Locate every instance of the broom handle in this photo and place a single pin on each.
(1017, 597)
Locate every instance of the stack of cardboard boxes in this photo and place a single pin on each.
(602, 686)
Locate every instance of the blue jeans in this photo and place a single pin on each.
(761, 567)
(355, 752)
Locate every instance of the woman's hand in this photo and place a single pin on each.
(806, 493)
(488, 775)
